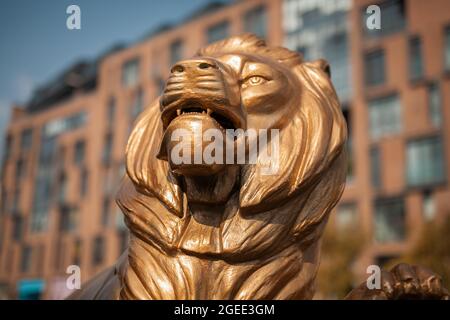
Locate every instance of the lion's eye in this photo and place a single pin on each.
(255, 80)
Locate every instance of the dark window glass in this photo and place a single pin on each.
(26, 138)
(124, 238)
(17, 227)
(107, 149)
(138, 103)
(447, 49)
(385, 260)
(79, 153)
(84, 181)
(434, 105)
(218, 32)
(375, 167)
(336, 50)
(20, 169)
(45, 176)
(68, 218)
(415, 59)
(255, 21)
(176, 51)
(3, 200)
(349, 144)
(385, 116)
(425, 161)
(58, 126)
(15, 209)
(389, 220)
(161, 84)
(111, 111)
(130, 73)
(8, 146)
(106, 211)
(62, 188)
(25, 261)
(374, 68)
(98, 250)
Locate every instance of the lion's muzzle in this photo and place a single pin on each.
(203, 85)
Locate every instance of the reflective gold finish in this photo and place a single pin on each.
(225, 231)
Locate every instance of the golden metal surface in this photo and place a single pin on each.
(226, 231)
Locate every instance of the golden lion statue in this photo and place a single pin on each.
(227, 231)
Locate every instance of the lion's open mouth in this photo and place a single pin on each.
(224, 118)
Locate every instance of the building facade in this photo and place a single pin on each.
(64, 151)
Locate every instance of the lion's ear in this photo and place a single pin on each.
(149, 174)
(322, 65)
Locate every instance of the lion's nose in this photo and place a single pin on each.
(193, 66)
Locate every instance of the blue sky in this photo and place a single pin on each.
(35, 44)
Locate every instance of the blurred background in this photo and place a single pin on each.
(68, 99)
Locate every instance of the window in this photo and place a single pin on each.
(105, 211)
(384, 116)
(428, 206)
(218, 32)
(17, 227)
(20, 169)
(160, 84)
(389, 220)
(425, 162)
(124, 237)
(98, 250)
(107, 149)
(15, 209)
(79, 152)
(392, 18)
(68, 218)
(25, 261)
(349, 145)
(62, 188)
(26, 138)
(138, 103)
(447, 49)
(374, 68)
(3, 200)
(255, 21)
(44, 181)
(176, 51)
(375, 167)
(8, 146)
(130, 73)
(346, 216)
(84, 181)
(336, 52)
(384, 261)
(111, 111)
(58, 126)
(415, 59)
(434, 104)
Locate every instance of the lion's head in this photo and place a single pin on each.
(232, 212)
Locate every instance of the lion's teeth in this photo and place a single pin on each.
(178, 112)
(208, 111)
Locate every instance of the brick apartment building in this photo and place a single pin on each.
(64, 150)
